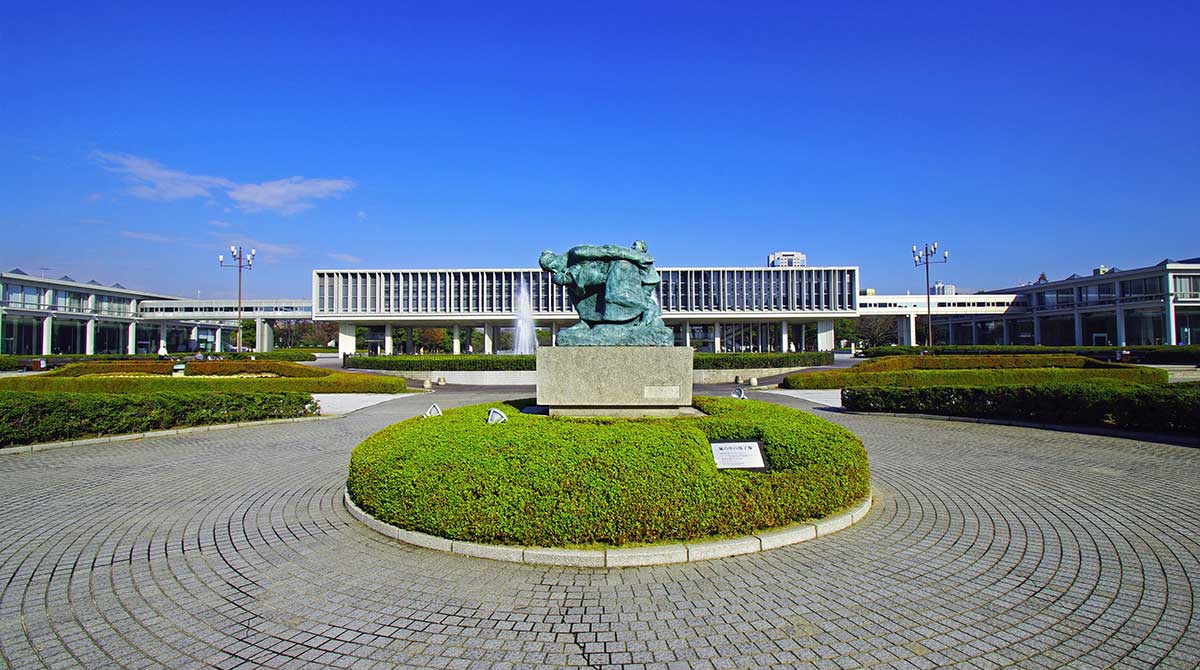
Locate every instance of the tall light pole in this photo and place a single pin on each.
(927, 256)
(240, 261)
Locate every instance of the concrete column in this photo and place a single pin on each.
(194, 338)
(687, 333)
(1037, 330)
(1169, 322)
(717, 338)
(456, 346)
(825, 335)
(387, 339)
(89, 337)
(269, 331)
(803, 337)
(219, 343)
(974, 331)
(47, 335)
(346, 338)
(258, 335)
(949, 331)
(487, 339)
(409, 336)
(1078, 329)
(906, 331)
(162, 337)
(131, 336)
(554, 334)
(1005, 338)
(783, 337)
(1120, 326)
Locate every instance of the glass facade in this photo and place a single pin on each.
(494, 291)
(20, 335)
(1143, 326)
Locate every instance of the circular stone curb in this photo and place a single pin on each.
(625, 558)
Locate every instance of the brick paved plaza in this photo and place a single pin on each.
(988, 546)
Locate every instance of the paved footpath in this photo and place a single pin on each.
(988, 546)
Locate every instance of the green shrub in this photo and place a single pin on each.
(1181, 355)
(964, 370)
(464, 362)
(243, 367)
(278, 355)
(334, 382)
(550, 481)
(491, 362)
(309, 350)
(799, 359)
(984, 362)
(821, 380)
(29, 418)
(8, 363)
(113, 368)
(1159, 409)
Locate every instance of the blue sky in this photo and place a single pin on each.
(136, 143)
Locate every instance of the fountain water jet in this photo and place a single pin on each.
(525, 337)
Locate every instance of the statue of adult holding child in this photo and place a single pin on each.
(612, 288)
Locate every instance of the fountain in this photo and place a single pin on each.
(525, 337)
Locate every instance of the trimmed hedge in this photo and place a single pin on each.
(193, 368)
(8, 363)
(113, 368)
(334, 382)
(976, 377)
(309, 350)
(280, 368)
(1179, 355)
(987, 362)
(30, 418)
(551, 481)
(278, 355)
(972, 371)
(464, 362)
(1159, 409)
(799, 359)
(492, 362)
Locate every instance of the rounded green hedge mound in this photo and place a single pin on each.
(559, 482)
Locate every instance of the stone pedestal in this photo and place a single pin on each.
(615, 381)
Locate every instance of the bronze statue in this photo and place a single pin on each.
(612, 288)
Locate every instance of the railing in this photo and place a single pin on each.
(70, 309)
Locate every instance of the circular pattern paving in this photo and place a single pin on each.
(987, 546)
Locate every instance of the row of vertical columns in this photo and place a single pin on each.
(388, 346)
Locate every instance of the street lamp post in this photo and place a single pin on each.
(926, 256)
(241, 261)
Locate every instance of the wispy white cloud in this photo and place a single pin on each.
(346, 258)
(144, 236)
(94, 222)
(218, 224)
(362, 216)
(287, 196)
(151, 180)
(94, 196)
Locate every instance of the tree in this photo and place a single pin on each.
(877, 331)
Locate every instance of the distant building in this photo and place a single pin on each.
(939, 288)
(787, 259)
(867, 291)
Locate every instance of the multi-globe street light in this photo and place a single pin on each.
(925, 256)
(240, 261)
